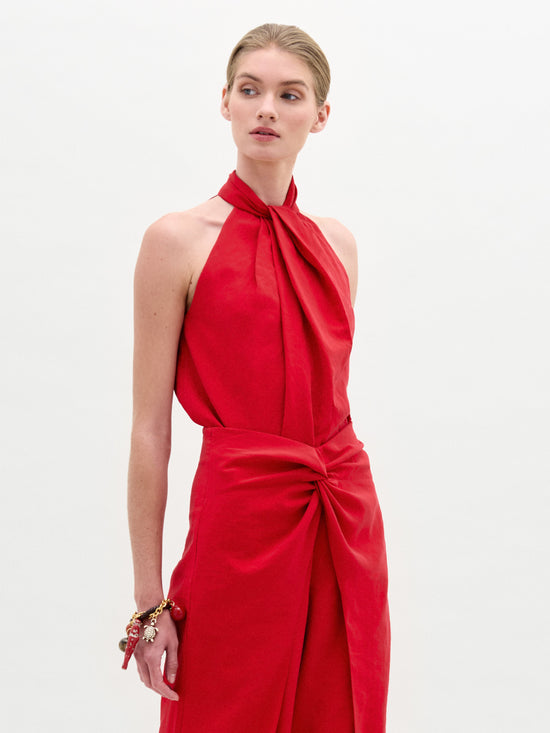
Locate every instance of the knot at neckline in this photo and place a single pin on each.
(239, 194)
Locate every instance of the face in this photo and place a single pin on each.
(272, 106)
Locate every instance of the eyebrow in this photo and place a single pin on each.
(291, 82)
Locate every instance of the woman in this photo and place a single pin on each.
(245, 305)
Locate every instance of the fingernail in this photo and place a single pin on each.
(172, 678)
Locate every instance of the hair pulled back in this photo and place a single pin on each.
(288, 38)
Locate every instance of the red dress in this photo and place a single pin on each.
(283, 574)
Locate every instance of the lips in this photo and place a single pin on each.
(264, 132)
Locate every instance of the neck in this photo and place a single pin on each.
(268, 179)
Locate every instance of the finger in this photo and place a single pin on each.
(146, 660)
(143, 671)
(160, 686)
(171, 664)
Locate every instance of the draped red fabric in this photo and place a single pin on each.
(283, 573)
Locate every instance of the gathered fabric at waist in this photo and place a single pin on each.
(263, 489)
(261, 451)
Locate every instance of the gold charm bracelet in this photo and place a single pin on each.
(129, 643)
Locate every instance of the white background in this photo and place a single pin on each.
(437, 157)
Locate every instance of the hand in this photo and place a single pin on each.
(149, 654)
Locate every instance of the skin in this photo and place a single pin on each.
(172, 255)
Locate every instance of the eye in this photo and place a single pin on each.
(248, 91)
(290, 96)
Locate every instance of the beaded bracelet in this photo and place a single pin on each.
(129, 643)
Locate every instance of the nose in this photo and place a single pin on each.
(267, 110)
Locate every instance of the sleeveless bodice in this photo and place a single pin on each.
(266, 341)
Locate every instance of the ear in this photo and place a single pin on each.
(321, 119)
(225, 104)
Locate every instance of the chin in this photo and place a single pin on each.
(264, 155)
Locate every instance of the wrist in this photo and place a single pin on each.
(148, 599)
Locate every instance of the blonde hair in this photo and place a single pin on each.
(288, 38)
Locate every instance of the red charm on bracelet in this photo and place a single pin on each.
(133, 638)
(177, 613)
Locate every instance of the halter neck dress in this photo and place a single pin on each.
(283, 574)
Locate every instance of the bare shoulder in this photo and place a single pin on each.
(178, 240)
(335, 230)
(343, 243)
(175, 248)
(178, 234)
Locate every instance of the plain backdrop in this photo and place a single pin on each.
(436, 156)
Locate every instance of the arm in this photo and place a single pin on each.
(160, 287)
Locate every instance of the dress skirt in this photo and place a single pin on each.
(284, 580)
